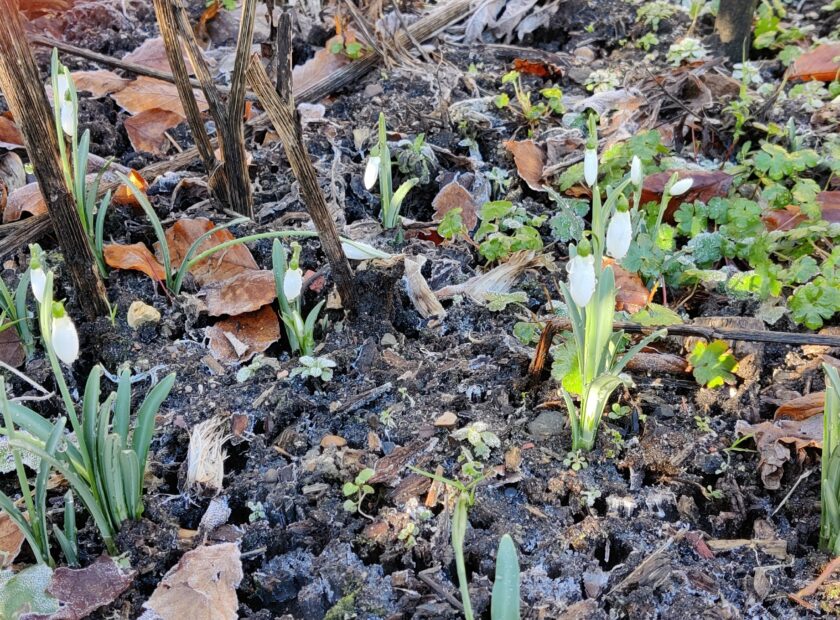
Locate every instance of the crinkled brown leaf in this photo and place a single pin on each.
(530, 161)
(10, 136)
(136, 257)
(99, 83)
(82, 591)
(239, 338)
(202, 585)
(790, 217)
(631, 293)
(11, 538)
(245, 292)
(11, 349)
(147, 93)
(453, 195)
(26, 199)
(146, 130)
(152, 54)
(774, 441)
(220, 266)
(802, 408)
(821, 63)
(124, 196)
(707, 185)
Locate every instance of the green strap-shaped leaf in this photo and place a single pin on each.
(505, 603)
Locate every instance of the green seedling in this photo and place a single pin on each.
(506, 603)
(830, 464)
(379, 166)
(357, 491)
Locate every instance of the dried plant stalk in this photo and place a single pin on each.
(206, 457)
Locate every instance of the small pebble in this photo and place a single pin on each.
(333, 441)
(140, 314)
(374, 89)
(547, 424)
(272, 476)
(388, 340)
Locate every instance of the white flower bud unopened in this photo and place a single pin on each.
(68, 122)
(590, 167)
(372, 171)
(681, 187)
(65, 340)
(619, 234)
(636, 171)
(292, 284)
(38, 282)
(581, 279)
(355, 250)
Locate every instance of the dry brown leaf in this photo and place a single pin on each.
(774, 441)
(245, 292)
(36, 8)
(146, 130)
(631, 295)
(26, 199)
(147, 93)
(319, 67)
(822, 64)
(801, 408)
(11, 538)
(152, 54)
(498, 280)
(82, 591)
(707, 185)
(453, 195)
(136, 257)
(530, 161)
(239, 338)
(790, 217)
(419, 292)
(10, 136)
(11, 349)
(202, 585)
(98, 83)
(220, 266)
(124, 196)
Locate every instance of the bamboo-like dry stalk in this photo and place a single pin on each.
(22, 86)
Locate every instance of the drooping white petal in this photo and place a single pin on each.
(636, 171)
(292, 284)
(682, 186)
(63, 87)
(68, 121)
(65, 340)
(582, 279)
(38, 282)
(590, 166)
(619, 234)
(371, 171)
(356, 250)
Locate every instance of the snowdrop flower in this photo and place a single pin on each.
(619, 231)
(582, 274)
(590, 166)
(636, 171)
(65, 339)
(355, 250)
(64, 100)
(681, 187)
(293, 280)
(372, 171)
(37, 275)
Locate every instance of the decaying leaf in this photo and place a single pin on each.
(146, 129)
(821, 64)
(239, 338)
(82, 591)
(10, 136)
(152, 54)
(707, 185)
(124, 196)
(98, 83)
(245, 292)
(319, 67)
(530, 161)
(497, 280)
(418, 289)
(453, 195)
(202, 585)
(147, 93)
(11, 349)
(219, 266)
(11, 540)
(26, 199)
(136, 257)
(791, 216)
(774, 441)
(801, 408)
(631, 293)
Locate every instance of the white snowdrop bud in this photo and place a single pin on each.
(356, 250)
(636, 171)
(619, 234)
(292, 284)
(372, 171)
(65, 339)
(590, 166)
(681, 187)
(582, 275)
(38, 282)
